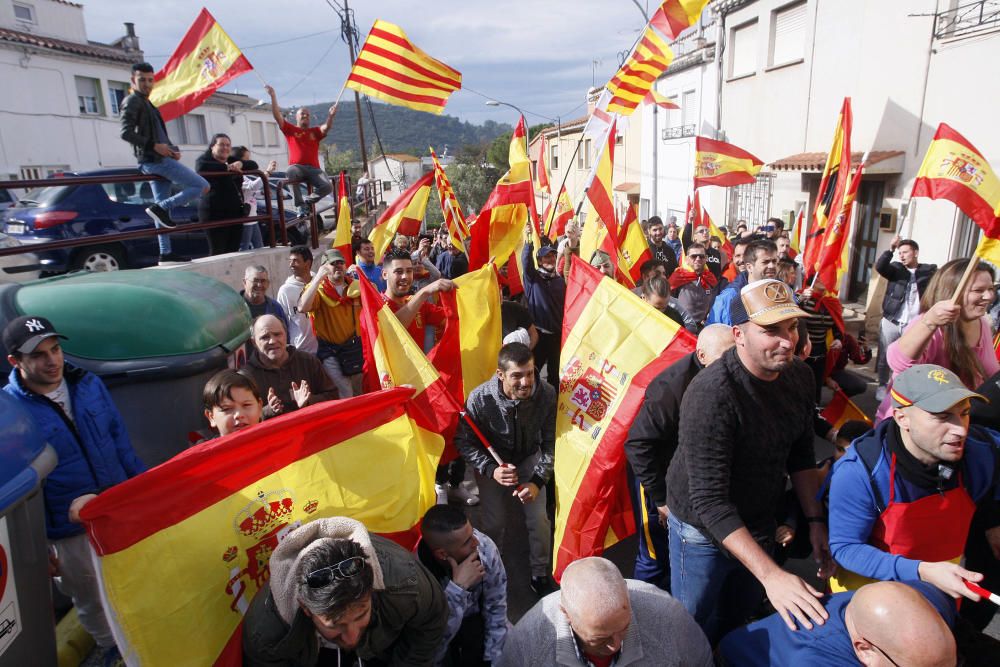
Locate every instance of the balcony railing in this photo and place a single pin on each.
(679, 131)
(969, 19)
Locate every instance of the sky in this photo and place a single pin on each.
(537, 55)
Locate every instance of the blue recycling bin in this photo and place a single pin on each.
(27, 626)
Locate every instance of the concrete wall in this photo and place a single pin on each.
(52, 18)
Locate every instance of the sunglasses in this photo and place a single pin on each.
(345, 569)
(696, 256)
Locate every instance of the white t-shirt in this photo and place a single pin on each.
(911, 307)
(60, 396)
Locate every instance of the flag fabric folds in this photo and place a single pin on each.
(543, 166)
(954, 170)
(204, 61)
(631, 84)
(634, 250)
(832, 186)
(719, 163)
(613, 345)
(701, 217)
(182, 549)
(653, 97)
(557, 214)
(796, 234)
(832, 260)
(454, 220)
(403, 216)
(391, 68)
(841, 410)
(675, 16)
(500, 223)
(342, 236)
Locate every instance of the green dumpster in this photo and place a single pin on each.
(154, 337)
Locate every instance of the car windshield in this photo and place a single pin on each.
(46, 196)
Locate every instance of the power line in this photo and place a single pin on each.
(309, 73)
(260, 46)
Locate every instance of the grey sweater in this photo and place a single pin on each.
(661, 633)
(516, 429)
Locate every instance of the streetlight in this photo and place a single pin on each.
(527, 137)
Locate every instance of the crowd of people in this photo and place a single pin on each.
(723, 471)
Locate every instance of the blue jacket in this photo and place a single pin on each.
(720, 307)
(545, 296)
(853, 504)
(95, 453)
(373, 272)
(271, 307)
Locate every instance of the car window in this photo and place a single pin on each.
(6, 197)
(138, 193)
(47, 196)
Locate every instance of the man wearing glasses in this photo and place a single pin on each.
(340, 595)
(254, 292)
(693, 285)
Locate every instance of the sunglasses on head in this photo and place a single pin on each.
(345, 569)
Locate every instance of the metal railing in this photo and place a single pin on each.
(57, 244)
(679, 131)
(969, 19)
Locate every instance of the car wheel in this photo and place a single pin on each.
(99, 258)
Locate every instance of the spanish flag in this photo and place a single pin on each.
(600, 228)
(719, 163)
(675, 16)
(182, 549)
(832, 261)
(543, 167)
(403, 216)
(634, 250)
(451, 211)
(953, 169)
(204, 61)
(613, 345)
(342, 236)
(500, 223)
(391, 68)
(841, 410)
(832, 187)
(632, 82)
(557, 214)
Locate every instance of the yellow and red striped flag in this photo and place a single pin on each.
(613, 345)
(203, 524)
(955, 170)
(653, 97)
(675, 16)
(342, 236)
(557, 214)
(832, 187)
(204, 61)
(634, 250)
(454, 220)
(500, 223)
(841, 410)
(543, 166)
(403, 216)
(631, 84)
(719, 163)
(391, 68)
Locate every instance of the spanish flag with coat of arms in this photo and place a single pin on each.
(613, 345)
(205, 60)
(182, 549)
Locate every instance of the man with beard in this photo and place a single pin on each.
(729, 473)
(300, 330)
(417, 311)
(661, 250)
(288, 378)
(760, 261)
(702, 235)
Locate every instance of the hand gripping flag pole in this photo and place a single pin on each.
(489, 448)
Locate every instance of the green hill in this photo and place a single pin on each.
(403, 130)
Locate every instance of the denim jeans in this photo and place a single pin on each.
(714, 588)
(888, 333)
(193, 186)
(312, 175)
(251, 238)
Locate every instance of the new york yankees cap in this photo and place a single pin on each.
(22, 335)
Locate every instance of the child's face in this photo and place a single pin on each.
(840, 448)
(240, 410)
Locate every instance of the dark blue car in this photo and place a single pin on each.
(61, 211)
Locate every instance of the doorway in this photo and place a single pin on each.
(865, 241)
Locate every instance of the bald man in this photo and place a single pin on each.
(288, 378)
(651, 444)
(884, 623)
(599, 618)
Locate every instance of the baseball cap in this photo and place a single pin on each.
(22, 335)
(333, 255)
(544, 250)
(764, 302)
(929, 387)
(600, 259)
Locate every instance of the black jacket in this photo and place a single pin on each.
(652, 440)
(713, 258)
(138, 126)
(898, 277)
(225, 195)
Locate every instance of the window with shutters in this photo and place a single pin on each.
(274, 136)
(788, 35)
(554, 157)
(743, 50)
(689, 107)
(188, 130)
(88, 95)
(117, 92)
(256, 133)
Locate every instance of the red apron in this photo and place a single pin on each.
(933, 528)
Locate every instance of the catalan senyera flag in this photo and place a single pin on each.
(391, 68)
(182, 549)
(454, 220)
(832, 260)
(841, 409)
(954, 170)
(403, 216)
(832, 186)
(204, 61)
(631, 84)
(719, 163)
(543, 166)
(634, 248)
(342, 236)
(557, 214)
(675, 16)
(653, 97)
(500, 223)
(613, 345)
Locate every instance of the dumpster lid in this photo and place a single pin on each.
(136, 314)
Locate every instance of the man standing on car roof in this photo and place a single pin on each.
(143, 127)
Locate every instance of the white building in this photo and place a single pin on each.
(59, 111)
(396, 172)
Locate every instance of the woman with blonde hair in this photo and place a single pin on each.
(956, 336)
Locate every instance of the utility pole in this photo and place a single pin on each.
(348, 31)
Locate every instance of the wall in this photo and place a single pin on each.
(52, 18)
